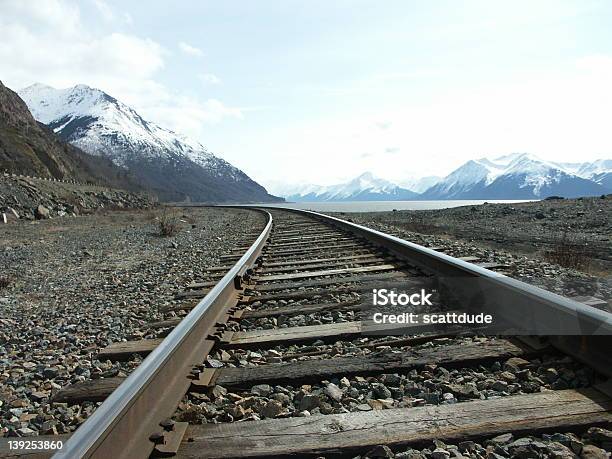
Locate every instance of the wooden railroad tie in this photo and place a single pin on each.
(312, 370)
(353, 432)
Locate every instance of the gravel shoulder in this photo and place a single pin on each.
(76, 284)
(527, 238)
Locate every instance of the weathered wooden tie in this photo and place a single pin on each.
(355, 432)
(336, 239)
(315, 370)
(398, 278)
(335, 264)
(328, 272)
(318, 248)
(313, 261)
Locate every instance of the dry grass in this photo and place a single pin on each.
(570, 251)
(168, 223)
(418, 224)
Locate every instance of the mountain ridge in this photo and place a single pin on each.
(518, 176)
(365, 187)
(175, 167)
(511, 176)
(31, 148)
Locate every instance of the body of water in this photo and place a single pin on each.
(381, 206)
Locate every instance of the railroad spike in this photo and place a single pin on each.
(167, 424)
(238, 282)
(157, 438)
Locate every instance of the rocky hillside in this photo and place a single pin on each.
(28, 147)
(175, 167)
(35, 198)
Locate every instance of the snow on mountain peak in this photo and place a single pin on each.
(538, 172)
(363, 187)
(521, 171)
(48, 104)
(93, 119)
(367, 181)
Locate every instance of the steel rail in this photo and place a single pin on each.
(122, 425)
(576, 329)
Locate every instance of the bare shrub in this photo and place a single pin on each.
(5, 282)
(168, 224)
(419, 223)
(568, 250)
(422, 228)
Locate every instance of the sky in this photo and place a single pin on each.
(320, 91)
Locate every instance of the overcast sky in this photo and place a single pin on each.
(319, 91)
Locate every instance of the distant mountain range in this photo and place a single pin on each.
(522, 176)
(111, 143)
(175, 167)
(366, 187)
(513, 176)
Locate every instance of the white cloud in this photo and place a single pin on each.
(190, 50)
(597, 65)
(562, 117)
(104, 9)
(47, 42)
(63, 17)
(209, 78)
(191, 117)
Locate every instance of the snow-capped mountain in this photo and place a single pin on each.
(174, 166)
(366, 187)
(513, 176)
(27, 147)
(599, 171)
(419, 184)
(521, 176)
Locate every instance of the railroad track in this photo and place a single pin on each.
(274, 360)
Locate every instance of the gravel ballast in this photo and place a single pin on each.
(76, 284)
(428, 385)
(522, 238)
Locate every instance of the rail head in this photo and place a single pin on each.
(122, 425)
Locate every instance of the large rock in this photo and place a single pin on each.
(272, 409)
(41, 212)
(593, 452)
(309, 402)
(334, 392)
(263, 390)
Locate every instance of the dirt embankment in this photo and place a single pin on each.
(36, 198)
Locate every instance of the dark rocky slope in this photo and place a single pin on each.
(30, 148)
